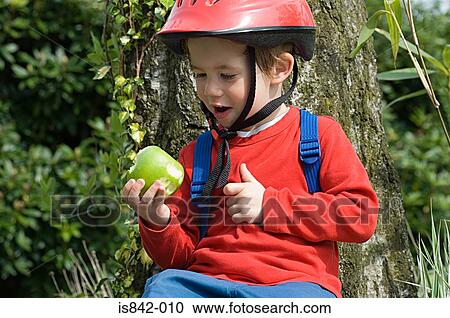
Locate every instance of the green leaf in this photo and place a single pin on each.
(446, 56)
(97, 45)
(23, 241)
(395, 8)
(100, 284)
(125, 40)
(438, 65)
(21, 23)
(405, 97)
(95, 58)
(120, 19)
(19, 71)
(127, 281)
(136, 133)
(167, 3)
(400, 74)
(11, 47)
(116, 125)
(128, 105)
(119, 81)
(63, 152)
(367, 31)
(32, 212)
(7, 50)
(91, 183)
(123, 116)
(145, 259)
(23, 265)
(101, 73)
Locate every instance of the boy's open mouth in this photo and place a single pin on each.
(221, 112)
(221, 109)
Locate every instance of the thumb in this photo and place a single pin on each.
(159, 196)
(233, 188)
(246, 175)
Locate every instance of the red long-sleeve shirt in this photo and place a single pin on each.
(297, 239)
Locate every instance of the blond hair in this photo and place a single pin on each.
(266, 58)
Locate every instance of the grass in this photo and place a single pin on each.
(85, 280)
(432, 270)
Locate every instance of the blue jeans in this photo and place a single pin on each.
(175, 283)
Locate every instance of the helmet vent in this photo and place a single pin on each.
(211, 2)
(193, 2)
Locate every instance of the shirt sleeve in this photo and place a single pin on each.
(173, 245)
(346, 209)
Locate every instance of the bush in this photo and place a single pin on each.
(36, 232)
(43, 72)
(421, 158)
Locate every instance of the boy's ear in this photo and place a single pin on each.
(282, 68)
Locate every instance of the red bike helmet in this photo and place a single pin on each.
(266, 23)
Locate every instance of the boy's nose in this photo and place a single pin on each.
(212, 89)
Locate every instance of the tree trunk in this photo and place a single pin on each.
(330, 84)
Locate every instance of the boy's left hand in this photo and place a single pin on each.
(245, 205)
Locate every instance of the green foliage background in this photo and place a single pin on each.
(63, 133)
(417, 143)
(55, 138)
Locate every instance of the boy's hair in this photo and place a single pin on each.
(265, 57)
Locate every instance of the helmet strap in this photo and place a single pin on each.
(220, 173)
(242, 123)
(270, 107)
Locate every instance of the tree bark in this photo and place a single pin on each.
(330, 84)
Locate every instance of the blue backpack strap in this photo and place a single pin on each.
(200, 173)
(309, 149)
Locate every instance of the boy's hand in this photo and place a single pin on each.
(246, 203)
(151, 206)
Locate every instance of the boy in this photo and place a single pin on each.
(268, 237)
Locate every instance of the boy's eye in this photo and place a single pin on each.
(225, 76)
(198, 75)
(228, 76)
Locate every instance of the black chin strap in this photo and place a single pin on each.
(219, 176)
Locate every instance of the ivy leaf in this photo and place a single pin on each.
(167, 3)
(123, 116)
(119, 81)
(136, 133)
(124, 40)
(128, 105)
(145, 259)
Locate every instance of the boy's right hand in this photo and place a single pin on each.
(151, 206)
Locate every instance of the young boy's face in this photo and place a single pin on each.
(222, 76)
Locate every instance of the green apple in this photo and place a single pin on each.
(151, 164)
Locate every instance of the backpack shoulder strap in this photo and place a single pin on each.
(200, 173)
(309, 149)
